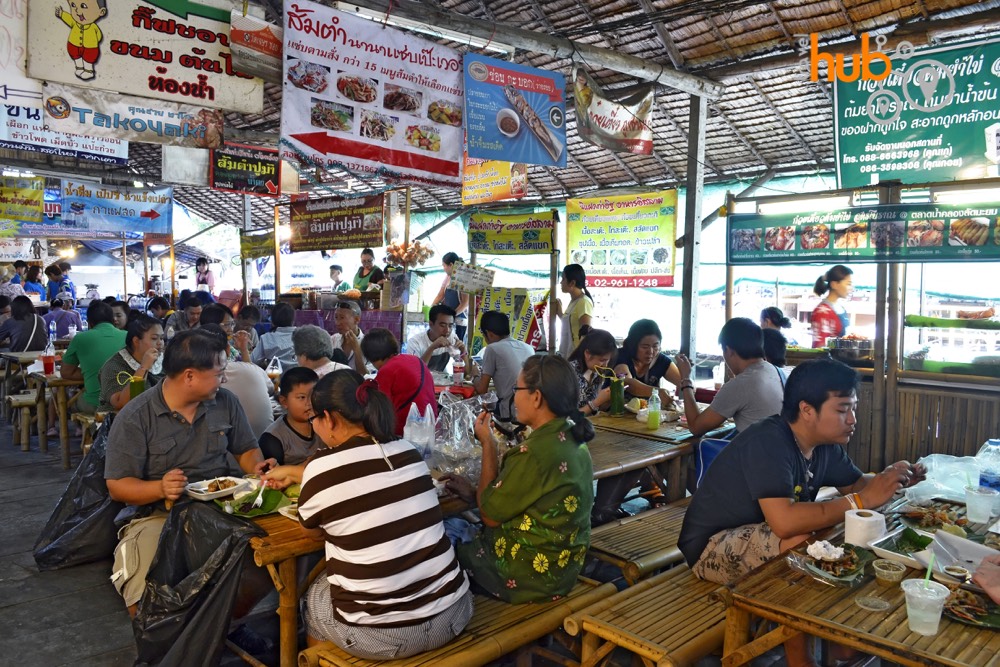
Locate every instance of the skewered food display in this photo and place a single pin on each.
(969, 231)
(531, 119)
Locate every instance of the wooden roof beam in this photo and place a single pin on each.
(784, 121)
(576, 163)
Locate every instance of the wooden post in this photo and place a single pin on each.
(145, 270)
(730, 203)
(697, 120)
(247, 213)
(124, 272)
(277, 256)
(173, 274)
(893, 330)
(472, 324)
(406, 304)
(553, 282)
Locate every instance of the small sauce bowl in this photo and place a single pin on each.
(888, 571)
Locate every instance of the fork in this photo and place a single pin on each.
(260, 495)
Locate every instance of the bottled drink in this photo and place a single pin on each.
(49, 358)
(52, 330)
(653, 409)
(71, 330)
(988, 459)
(459, 371)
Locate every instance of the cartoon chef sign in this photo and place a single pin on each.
(85, 37)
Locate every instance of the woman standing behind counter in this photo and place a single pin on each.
(368, 274)
(830, 318)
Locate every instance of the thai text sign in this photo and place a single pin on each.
(895, 233)
(624, 241)
(23, 128)
(470, 278)
(21, 200)
(529, 234)
(935, 117)
(624, 126)
(175, 50)
(492, 180)
(245, 169)
(96, 113)
(90, 206)
(378, 101)
(335, 223)
(256, 46)
(514, 113)
(254, 246)
(521, 306)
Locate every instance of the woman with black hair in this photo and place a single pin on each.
(141, 357)
(576, 316)
(642, 363)
(368, 274)
(830, 319)
(772, 318)
(396, 586)
(536, 508)
(597, 350)
(24, 331)
(457, 301)
(204, 276)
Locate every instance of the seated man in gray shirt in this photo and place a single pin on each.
(183, 430)
(502, 360)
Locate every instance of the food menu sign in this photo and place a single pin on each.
(23, 128)
(378, 101)
(514, 113)
(245, 169)
(895, 233)
(525, 234)
(336, 223)
(492, 180)
(626, 240)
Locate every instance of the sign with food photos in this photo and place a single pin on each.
(624, 240)
(893, 233)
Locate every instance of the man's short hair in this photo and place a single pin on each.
(65, 267)
(250, 313)
(192, 348)
(336, 267)
(282, 315)
(744, 337)
(439, 309)
(312, 342)
(214, 313)
(495, 322)
(4, 301)
(379, 344)
(295, 377)
(814, 382)
(450, 258)
(159, 303)
(775, 347)
(99, 312)
(191, 302)
(20, 264)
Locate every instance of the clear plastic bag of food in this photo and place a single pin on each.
(455, 448)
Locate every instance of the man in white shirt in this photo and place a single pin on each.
(348, 338)
(438, 345)
(313, 349)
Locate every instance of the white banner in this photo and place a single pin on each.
(175, 50)
(15, 86)
(379, 101)
(23, 128)
(13, 249)
(256, 46)
(96, 113)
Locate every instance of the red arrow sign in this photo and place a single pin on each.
(330, 145)
(152, 215)
(271, 187)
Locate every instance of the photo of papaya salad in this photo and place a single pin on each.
(445, 113)
(357, 88)
(423, 137)
(308, 76)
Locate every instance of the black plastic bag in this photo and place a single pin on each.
(82, 527)
(191, 587)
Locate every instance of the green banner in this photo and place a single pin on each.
(528, 234)
(934, 117)
(897, 233)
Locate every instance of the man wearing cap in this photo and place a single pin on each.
(346, 317)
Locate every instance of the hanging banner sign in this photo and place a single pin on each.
(95, 113)
(15, 86)
(151, 239)
(514, 113)
(336, 223)
(374, 100)
(21, 200)
(934, 117)
(255, 246)
(173, 50)
(23, 128)
(470, 278)
(527, 234)
(523, 307)
(626, 240)
(13, 249)
(51, 224)
(625, 126)
(114, 208)
(245, 169)
(492, 180)
(896, 233)
(256, 46)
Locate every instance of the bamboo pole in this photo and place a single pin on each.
(124, 271)
(243, 262)
(173, 274)
(277, 256)
(697, 122)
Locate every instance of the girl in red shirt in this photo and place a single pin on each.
(829, 318)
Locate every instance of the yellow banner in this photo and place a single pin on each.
(520, 305)
(492, 180)
(624, 241)
(256, 245)
(22, 199)
(528, 234)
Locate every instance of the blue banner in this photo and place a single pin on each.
(92, 207)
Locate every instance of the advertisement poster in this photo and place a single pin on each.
(524, 234)
(15, 87)
(514, 113)
(248, 170)
(471, 279)
(173, 50)
(625, 126)
(95, 113)
(255, 246)
(23, 128)
(335, 223)
(90, 206)
(256, 46)
(492, 180)
(896, 233)
(13, 249)
(21, 200)
(935, 117)
(376, 100)
(624, 241)
(522, 306)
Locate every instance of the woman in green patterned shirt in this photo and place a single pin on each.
(536, 508)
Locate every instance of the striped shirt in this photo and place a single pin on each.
(389, 562)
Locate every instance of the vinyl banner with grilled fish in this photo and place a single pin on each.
(514, 113)
(897, 233)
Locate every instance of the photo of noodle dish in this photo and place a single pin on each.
(745, 239)
(357, 88)
(815, 237)
(377, 126)
(397, 98)
(332, 116)
(779, 238)
(308, 76)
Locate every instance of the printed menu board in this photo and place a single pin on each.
(335, 223)
(520, 234)
(895, 233)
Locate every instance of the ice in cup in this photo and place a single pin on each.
(979, 502)
(924, 604)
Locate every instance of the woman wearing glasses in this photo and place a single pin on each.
(368, 274)
(536, 507)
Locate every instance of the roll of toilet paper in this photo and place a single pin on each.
(862, 527)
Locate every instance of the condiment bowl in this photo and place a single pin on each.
(508, 122)
(888, 571)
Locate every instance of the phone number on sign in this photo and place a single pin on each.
(627, 282)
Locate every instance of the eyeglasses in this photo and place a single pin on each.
(524, 389)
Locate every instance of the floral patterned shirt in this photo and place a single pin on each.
(542, 498)
(589, 387)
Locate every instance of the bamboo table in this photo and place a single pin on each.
(670, 432)
(59, 387)
(642, 543)
(614, 453)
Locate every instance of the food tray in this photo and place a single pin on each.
(197, 490)
(882, 550)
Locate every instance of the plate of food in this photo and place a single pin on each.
(357, 88)
(745, 239)
(289, 512)
(636, 404)
(900, 545)
(308, 76)
(972, 609)
(242, 505)
(969, 231)
(932, 519)
(924, 233)
(397, 98)
(423, 137)
(220, 487)
(446, 113)
(779, 238)
(815, 237)
(849, 236)
(844, 563)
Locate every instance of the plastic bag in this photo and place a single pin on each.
(455, 448)
(419, 429)
(947, 477)
(191, 587)
(82, 526)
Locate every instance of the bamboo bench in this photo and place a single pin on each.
(671, 619)
(88, 424)
(496, 629)
(21, 405)
(641, 544)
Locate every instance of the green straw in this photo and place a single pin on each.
(930, 566)
(968, 481)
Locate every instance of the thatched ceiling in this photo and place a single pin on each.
(769, 117)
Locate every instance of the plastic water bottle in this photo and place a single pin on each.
(988, 459)
(52, 330)
(653, 410)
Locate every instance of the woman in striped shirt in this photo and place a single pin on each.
(393, 587)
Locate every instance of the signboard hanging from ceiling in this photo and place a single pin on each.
(114, 208)
(246, 170)
(256, 46)
(492, 180)
(23, 128)
(174, 50)
(624, 126)
(522, 234)
(336, 223)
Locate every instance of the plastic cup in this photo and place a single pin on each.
(924, 604)
(979, 502)
(49, 364)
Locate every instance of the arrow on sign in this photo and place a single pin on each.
(6, 93)
(152, 215)
(271, 187)
(183, 8)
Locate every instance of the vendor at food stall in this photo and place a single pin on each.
(368, 274)
(830, 318)
(204, 276)
(457, 301)
(339, 284)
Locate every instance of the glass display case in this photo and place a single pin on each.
(952, 346)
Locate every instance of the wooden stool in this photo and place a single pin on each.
(88, 426)
(21, 406)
